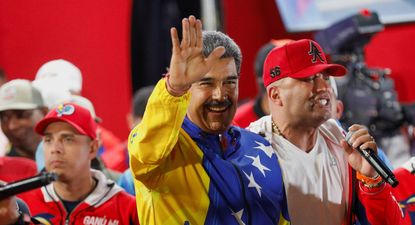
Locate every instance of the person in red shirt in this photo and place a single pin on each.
(405, 191)
(81, 195)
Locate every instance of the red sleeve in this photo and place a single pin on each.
(380, 205)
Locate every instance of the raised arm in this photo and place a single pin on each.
(152, 141)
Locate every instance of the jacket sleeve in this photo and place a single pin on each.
(378, 206)
(151, 141)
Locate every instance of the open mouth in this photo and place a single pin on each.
(218, 109)
(323, 102)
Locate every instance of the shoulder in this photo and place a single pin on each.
(123, 196)
(249, 136)
(332, 129)
(262, 125)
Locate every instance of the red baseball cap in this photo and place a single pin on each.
(77, 116)
(298, 59)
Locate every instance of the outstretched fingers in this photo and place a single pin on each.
(175, 40)
(215, 55)
(199, 36)
(185, 33)
(192, 31)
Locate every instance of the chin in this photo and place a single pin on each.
(218, 128)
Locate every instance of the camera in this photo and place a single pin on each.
(368, 94)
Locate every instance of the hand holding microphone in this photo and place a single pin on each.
(27, 184)
(359, 139)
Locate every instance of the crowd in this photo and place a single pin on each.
(194, 155)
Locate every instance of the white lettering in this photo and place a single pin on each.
(93, 220)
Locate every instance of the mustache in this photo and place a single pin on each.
(215, 103)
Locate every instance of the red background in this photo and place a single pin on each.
(95, 36)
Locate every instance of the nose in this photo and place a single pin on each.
(53, 147)
(13, 123)
(219, 93)
(321, 84)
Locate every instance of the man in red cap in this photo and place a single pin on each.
(81, 195)
(319, 167)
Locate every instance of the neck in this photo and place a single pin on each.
(301, 136)
(75, 190)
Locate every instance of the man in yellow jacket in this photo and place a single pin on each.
(190, 166)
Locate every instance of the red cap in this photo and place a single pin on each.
(77, 116)
(298, 59)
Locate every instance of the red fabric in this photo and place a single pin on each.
(245, 114)
(107, 202)
(254, 23)
(78, 117)
(116, 158)
(16, 168)
(297, 59)
(120, 208)
(380, 205)
(109, 140)
(94, 35)
(405, 194)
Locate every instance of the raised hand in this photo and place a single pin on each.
(362, 138)
(188, 63)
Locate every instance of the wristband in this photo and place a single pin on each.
(370, 182)
(173, 91)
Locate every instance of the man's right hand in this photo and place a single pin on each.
(188, 63)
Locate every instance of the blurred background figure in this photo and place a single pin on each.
(3, 78)
(21, 107)
(61, 81)
(3, 139)
(256, 108)
(60, 74)
(117, 158)
(138, 107)
(368, 93)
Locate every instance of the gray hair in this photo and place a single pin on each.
(214, 39)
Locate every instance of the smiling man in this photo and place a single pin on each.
(190, 166)
(327, 181)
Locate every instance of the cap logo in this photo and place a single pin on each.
(315, 53)
(9, 93)
(276, 71)
(65, 110)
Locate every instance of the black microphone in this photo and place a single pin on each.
(27, 184)
(373, 159)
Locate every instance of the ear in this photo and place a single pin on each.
(339, 109)
(44, 110)
(274, 96)
(93, 148)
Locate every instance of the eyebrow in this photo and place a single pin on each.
(62, 135)
(232, 77)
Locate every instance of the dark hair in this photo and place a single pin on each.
(260, 58)
(2, 74)
(140, 100)
(214, 39)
